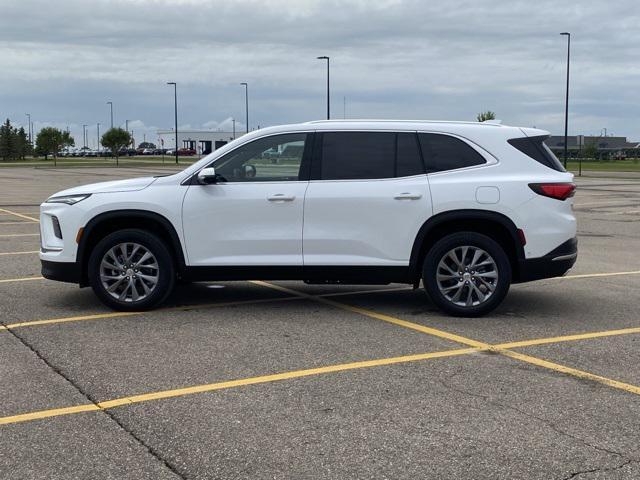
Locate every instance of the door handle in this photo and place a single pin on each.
(407, 196)
(281, 197)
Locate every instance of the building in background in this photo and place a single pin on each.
(202, 141)
(607, 147)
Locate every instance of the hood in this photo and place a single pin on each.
(130, 185)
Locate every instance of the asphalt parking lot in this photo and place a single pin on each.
(286, 380)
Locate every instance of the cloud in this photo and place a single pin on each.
(392, 58)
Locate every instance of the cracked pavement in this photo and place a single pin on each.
(478, 415)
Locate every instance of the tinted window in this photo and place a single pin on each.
(443, 152)
(535, 148)
(408, 161)
(358, 155)
(275, 158)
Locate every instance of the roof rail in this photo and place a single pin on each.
(378, 120)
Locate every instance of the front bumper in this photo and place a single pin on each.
(61, 271)
(554, 264)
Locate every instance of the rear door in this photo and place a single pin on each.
(367, 199)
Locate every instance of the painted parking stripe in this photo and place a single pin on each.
(210, 387)
(101, 316)
(23, 279)
(470, 342)
(20, 215)
(20, 234)
(19, 253)
(569, 338)
(18, 223)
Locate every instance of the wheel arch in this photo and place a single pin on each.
(108, 222)
(495, 225)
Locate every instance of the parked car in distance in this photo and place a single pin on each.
(189, 152)
(148, 151)
(466, 208)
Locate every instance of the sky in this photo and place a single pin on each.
(62, 60)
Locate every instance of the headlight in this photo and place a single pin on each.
(68, 199)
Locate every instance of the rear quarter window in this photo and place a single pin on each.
(444, 152)
(536, 149)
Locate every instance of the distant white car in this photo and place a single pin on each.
(468, 208)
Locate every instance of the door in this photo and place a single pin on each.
(253, 215)
(367, 199)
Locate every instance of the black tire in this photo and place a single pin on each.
(478, 283)
(165, 276)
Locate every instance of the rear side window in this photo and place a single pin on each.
(443, 152)
(534, 147)
(369, 155)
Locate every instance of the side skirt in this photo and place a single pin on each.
(354, 275)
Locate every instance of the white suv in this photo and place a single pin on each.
(469, 208)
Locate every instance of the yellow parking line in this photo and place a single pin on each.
(210, 387)
(20, 234)
(24, 279)
(378, 316)
(101, 316)
(20, 253)
(574, 372)
(17, 223)
(26, 217)
(54, 412)
(568, 338)
(465, 341)
(594, 275)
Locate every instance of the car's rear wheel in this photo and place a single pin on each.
(131, 270)
(467, 274)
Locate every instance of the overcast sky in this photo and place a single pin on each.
(62, 60)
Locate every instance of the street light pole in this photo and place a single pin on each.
(328, 96)
(111, 106)
(246, 104)
(29, 126)
(98, 128)
(566, 103)
(175, 105)
(84, 137)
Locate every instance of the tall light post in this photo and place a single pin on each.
(566, 102)
(175, 110)
(328, 96)
(84, 136)
(111, 106)
(246, 104)
(98, 129)
(29, 126)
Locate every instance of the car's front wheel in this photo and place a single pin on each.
(131, 270)
(467, 274)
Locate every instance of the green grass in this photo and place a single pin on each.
(606, 166)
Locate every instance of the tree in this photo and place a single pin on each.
(51, 140)
(22, 147)
(484, 116)
(6, 141)
(590, 150)
(116, 139)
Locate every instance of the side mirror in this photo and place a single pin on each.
(207, 176)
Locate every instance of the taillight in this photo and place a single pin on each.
(559, 191)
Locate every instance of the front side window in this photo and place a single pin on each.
(444, 152)
(271, 159)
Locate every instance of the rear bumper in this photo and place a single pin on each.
(61, 271)
(554, 264)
